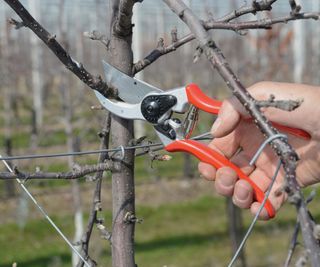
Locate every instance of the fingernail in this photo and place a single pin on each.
(216, 125)
(242, 195)
(228, 182)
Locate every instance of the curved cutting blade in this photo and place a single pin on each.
(130, 90)
(121, 109)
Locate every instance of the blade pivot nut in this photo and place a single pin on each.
(153, 107)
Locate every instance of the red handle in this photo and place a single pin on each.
(294, 131)
(200, 100)
(207, 155)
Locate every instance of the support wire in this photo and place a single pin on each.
(45, 214)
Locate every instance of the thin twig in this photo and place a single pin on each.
(98, 36)
(222, 24)
(293, 244)
(287, 105)
(295, 8)
(294, 239)
(96, 200)
(252, 8)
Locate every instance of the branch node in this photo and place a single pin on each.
(174, 35)
(160, 44)
(294, 198)
(158, 157)
(138, 141)
(96, 35)
(17, 24)
(52, 38)
(97, 107)
(102, 134)
(105, 234)
(197, 54)
(130, 217)
(295, 8)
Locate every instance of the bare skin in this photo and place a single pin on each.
(232, 132)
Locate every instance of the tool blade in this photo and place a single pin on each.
(121, 109)
(130, 90)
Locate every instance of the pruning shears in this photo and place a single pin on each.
(145, 102)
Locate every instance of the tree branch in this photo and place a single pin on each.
(255, 6)
(287, 105)
(96, 201)
(94, 82)
(156, 53)
(280, 146)
(71, 175)
(221, 24)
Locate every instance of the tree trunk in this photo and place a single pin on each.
(123, 195)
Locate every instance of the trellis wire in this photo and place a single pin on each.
(267, 141)
(90, 152)
(80, 153)
(45, 214)
(273, 179)
(245, 238)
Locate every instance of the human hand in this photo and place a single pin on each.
(232, 132)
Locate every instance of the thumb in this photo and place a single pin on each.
(227, 119)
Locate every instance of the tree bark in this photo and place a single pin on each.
(123, 195)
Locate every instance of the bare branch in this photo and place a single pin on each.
(176, 43)
(174, 35)
(287, 105)
(247, 9)
(221, 24)
(281, 147)
(98, 36)
(94, 82)
(75, 174)
(105, 234)
(17, 24)
(258, 24)
(158, 52)
(96, 201)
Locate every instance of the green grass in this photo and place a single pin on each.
(188, 234)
